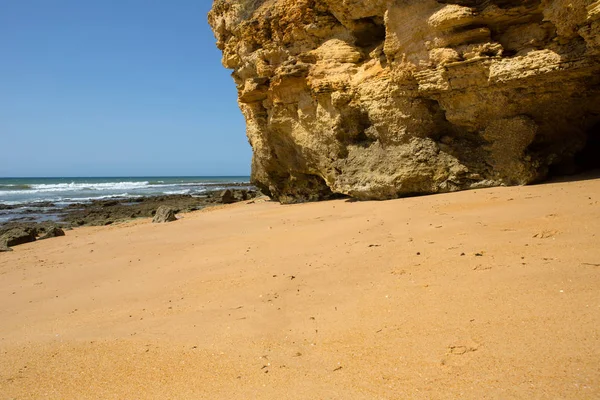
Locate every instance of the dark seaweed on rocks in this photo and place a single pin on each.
(107, 212)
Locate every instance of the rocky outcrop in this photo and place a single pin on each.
(380, 99)
(107, 212)
(229, 196)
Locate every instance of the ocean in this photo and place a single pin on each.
(25, 195)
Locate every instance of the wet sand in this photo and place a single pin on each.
(491, 293)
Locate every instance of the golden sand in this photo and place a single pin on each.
(489, 293)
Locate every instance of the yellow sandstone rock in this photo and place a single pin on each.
(381, 99)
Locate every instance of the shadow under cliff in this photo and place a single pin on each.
(585, 164)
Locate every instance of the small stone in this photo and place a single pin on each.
(164, 214)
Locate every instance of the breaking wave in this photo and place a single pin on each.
(73, 187)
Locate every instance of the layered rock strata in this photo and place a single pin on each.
(380, 99)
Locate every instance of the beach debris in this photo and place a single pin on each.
(52, 232)
(164, 214)
(547, 234)
(460, 350)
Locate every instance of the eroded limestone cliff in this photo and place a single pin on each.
(380, 99)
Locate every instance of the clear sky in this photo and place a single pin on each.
(115, 88)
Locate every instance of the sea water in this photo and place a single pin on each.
(30, 193)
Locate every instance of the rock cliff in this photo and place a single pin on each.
(380, 99)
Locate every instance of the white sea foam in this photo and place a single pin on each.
(184, 191)
(65, 193)
(59, 187)
(68, 200)
(76, 187)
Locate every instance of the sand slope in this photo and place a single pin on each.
(483, 294)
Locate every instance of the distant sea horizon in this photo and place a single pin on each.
(18, 195)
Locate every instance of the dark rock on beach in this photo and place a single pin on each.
(164, 214)
(227, 197)
(16, 236)
(20, 232)
(233, 196)
(107, 212)
(52, 232)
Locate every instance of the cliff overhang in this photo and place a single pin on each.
(382, 99)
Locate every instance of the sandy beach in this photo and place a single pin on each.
(483, 294)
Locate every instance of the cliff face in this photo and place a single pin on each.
(379, 99)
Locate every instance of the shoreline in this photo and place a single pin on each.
(47, 198)
(108, 212)
(490, 293)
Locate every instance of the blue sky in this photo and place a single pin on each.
(114, 88)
